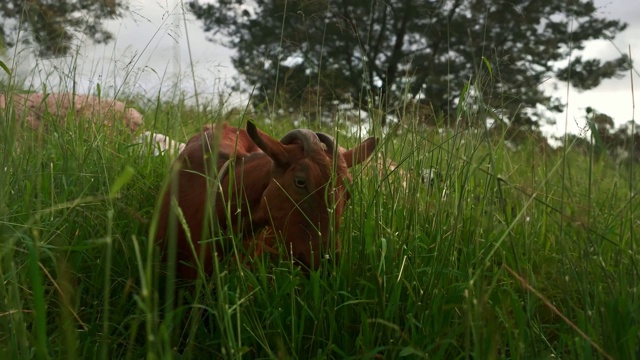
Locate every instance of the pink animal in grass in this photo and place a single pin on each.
(32, 107)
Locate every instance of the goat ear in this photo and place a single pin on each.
(272, 147)
(360, 153)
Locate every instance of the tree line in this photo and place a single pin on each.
(311, 57)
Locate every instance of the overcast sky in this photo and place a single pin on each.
(151, 48)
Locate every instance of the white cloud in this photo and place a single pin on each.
(150, 52)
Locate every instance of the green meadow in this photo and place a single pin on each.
(521, 254)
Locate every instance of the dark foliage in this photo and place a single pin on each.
(311, 55)
(52, 24)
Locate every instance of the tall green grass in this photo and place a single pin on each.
(512, 254)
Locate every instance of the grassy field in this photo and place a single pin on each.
(512, 254)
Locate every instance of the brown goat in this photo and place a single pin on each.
(271, 192)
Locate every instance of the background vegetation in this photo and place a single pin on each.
(309, 56)
(53, 25)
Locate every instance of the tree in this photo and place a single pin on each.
(52, 24)
(381, 53)
(621, 143)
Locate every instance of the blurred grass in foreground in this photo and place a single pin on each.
(426, 270)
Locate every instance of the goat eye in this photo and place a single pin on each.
(300, 182)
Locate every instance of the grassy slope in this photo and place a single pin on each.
(420, 274)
